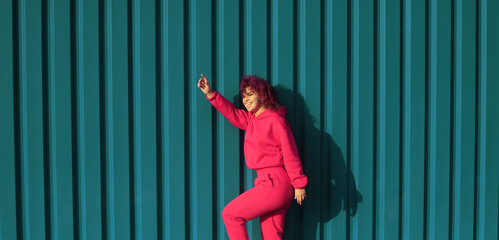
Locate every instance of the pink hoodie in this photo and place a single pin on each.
(268, 142)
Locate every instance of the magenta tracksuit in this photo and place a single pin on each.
(270, 149)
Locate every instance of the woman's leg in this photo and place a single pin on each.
(269, 195)
(272, 225)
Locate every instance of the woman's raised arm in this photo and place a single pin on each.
(238, 117)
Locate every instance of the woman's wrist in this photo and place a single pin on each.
(209, 94)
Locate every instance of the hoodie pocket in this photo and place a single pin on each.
(271, 180)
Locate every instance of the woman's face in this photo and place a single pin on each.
(251, 100)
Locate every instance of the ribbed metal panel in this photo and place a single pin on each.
(104, 134)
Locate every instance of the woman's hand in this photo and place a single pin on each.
(205, 86)
(300, 195)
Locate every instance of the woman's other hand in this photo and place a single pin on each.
(205, 86)
(300, 195)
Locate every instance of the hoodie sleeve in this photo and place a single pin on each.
(236, 116)
(292, 162)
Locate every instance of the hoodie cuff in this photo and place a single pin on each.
(300, 183)
(215, 93)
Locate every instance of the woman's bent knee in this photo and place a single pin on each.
(229, 216)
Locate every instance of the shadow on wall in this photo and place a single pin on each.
(331, 186)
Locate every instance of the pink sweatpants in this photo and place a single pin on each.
(269, 199)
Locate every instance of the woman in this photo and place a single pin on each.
(270, 149)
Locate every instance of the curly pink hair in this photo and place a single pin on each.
(262, 87)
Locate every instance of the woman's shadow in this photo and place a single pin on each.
(331, 186)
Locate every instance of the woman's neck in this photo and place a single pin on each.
(262, 108)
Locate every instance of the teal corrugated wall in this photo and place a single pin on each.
(393, 104)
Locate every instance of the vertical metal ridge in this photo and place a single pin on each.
(355, 96)
(242, 39)
(167, 134)
(52, 118)
(349, 112)
(302, 49)
(322, 90)
(432, 174)
(427, 119)
(23, 125)
(215, 27)
(131, 121)
(80, 124)
(269, 41)
(16, 62)
(24, 159)
(327, 32)
(248, 67)
(407, 82)
(482, 123)
(110, 122)
(295, 54)
(218, 62)
(103, 118)
(273, 34)
(193, 146)
(74, 122)
(107, 118)
(242, 66)
(165, 121)
(19, 30)
(327, 119)
(452, 123)
(456, 120)
(136, 113)
(401, 115)
(379, 127)
(452, 120)
(175, 132)
(47, 134)
(477, 118)
(161, 147)
(187, 118)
